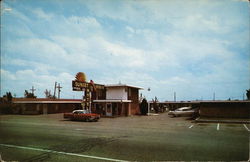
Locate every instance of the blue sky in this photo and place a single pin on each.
(194, 48)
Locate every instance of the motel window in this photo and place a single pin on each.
(129, 92)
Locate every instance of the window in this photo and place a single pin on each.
(129, 92)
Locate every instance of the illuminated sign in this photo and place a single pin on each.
(80, 84)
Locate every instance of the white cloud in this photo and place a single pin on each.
(41, 48)
(20, 16)
(38, 67)
(90, 22)
(25, 79)
(6, 75)
(200, 23)
(146, 43)
(130, 29)
(25, 74)
(42, 15)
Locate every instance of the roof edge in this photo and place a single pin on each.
(122, 85)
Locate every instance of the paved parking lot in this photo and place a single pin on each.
(136, 138)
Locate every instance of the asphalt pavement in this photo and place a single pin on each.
(135, 138)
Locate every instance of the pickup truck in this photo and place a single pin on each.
(82, 115)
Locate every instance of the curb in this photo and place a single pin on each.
(222, 121)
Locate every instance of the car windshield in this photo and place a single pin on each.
(184, 109)
(80, 112)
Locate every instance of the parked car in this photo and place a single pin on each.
(81, 115)
(184, 111)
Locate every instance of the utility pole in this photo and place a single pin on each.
(214, 96)
(148, 101)
(174, 96)
(33, 90)
(55, 90)
(59, 90)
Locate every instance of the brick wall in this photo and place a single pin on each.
(225, 109)
(134, 96)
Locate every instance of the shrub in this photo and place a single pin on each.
(144, 107)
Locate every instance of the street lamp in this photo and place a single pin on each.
(148, 101)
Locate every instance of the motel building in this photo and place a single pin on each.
(119, 100)
(108, 100)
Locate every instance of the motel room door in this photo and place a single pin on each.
(108, 109)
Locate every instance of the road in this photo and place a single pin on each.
(136, 138)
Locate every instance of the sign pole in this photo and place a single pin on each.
(89, 89)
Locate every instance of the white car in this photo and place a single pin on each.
(183, 111)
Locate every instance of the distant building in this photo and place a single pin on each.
(44, 105)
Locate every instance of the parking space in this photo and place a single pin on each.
(135, 138)
(221, 126)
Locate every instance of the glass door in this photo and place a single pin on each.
(109, 109)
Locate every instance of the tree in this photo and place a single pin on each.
(8, 97)
(248, 94)
(144, 107)
(6, 106)
(28, 94)
(48, 94)
(155, 105)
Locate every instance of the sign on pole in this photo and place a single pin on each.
(89, 88)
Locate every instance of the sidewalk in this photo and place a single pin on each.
(222, 120)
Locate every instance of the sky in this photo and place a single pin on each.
(194, 48)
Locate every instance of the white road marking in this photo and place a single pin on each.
(246, 128)
(218, 126)
(191, 126)
(79, 129)
(59, 152)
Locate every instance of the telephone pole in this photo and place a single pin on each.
(214, 96)
(33, 90)
(174, 96)
(148, 101)
(55, 90)
(59, 90)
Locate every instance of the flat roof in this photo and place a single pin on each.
(112, 101)
(45, 100)
(122, 85)
(205, 101)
